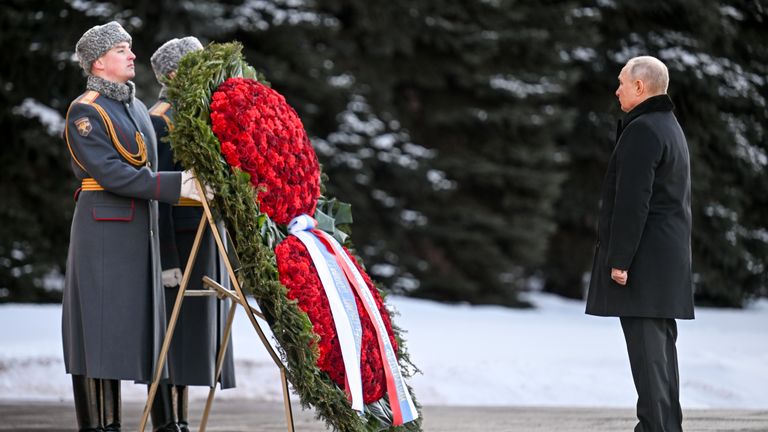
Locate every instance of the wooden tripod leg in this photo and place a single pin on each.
(172, 324)
(219, 365)
(244, 302)
(287, 401)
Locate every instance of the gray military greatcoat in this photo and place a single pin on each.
(200, 326)
(113, 306)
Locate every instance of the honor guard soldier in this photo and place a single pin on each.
(113, 304)
(200, 326)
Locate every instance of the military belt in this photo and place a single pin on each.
(90, 184)
(187, 202)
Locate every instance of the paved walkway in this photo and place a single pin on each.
(243, 415)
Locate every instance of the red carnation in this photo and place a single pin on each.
(230, 154)
(298, 274)
(263, 136)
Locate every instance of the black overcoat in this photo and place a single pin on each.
(201, 323)
(645, 219)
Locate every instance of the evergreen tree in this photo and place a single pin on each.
(717, 59)
(37, 80)
(469, 82)
(470, 137)
(304, 50)
(39, 76)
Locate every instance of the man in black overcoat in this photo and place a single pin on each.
(642, 267)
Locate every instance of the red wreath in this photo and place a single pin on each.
(298, 274)
(262, 135)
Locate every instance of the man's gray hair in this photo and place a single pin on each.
(651, 71)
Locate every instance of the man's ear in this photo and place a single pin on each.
(639, 87)
(97, 64)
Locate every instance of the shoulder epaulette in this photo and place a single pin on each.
(87, 97)
(137, 159)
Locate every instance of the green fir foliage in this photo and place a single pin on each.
(718, 63)
(471, 138)
(196, 147)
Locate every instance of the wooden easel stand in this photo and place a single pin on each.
(214, 288)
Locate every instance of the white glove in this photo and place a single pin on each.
(189, 190)
(171, 277)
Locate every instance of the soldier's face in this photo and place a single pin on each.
(117, 64)
(629, 91)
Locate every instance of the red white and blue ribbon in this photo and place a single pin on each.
(339, 276)
(342, 303)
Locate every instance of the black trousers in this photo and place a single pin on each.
(653, 358)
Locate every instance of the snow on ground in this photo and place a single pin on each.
(553, 355)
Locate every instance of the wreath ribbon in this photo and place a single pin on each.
(343, 307)
(333, 256)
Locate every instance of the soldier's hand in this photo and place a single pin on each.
(171, 277)
(189, 188)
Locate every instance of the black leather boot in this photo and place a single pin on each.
(87, 392)
(163, 418)
(110, 390)
(181, 408)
